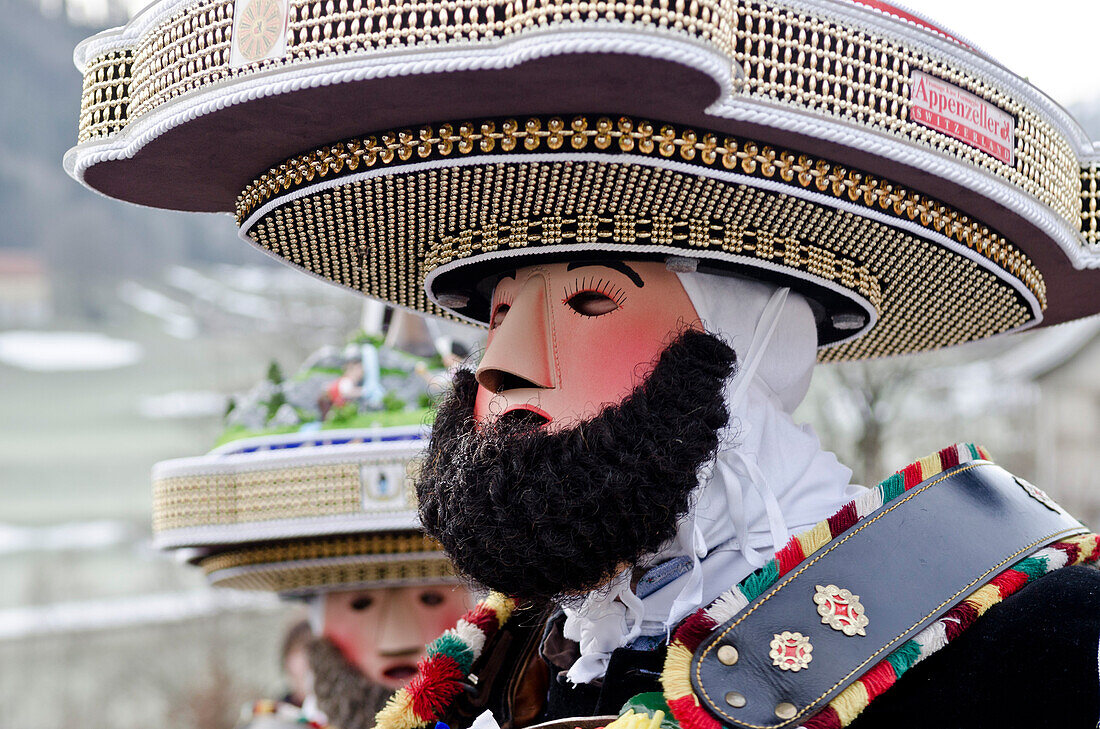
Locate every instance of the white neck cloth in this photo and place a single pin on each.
(770, 478)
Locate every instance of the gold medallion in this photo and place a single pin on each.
(841, 610)
(791, 651)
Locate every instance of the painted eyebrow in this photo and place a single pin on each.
(614, 265)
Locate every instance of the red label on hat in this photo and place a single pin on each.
(960, 114)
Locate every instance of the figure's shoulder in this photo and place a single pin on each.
(1029, 661)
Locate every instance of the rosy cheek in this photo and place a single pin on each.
(607, 358)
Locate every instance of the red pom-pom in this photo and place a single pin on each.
(434, 687)
(843, 520)
(949, 457)
(483, 617)
(693, 630)
(1073, 553)
(958, 619)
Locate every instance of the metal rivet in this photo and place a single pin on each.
(785, 710)
(737, 699)
(453, 301)
(680, 264)
(848, 321)
(727, 654)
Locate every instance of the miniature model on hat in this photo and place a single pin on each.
(326, 515)
(664, 213)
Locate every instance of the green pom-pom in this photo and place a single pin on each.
(451, 645)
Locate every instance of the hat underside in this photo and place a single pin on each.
(342, 562)
(443, 204)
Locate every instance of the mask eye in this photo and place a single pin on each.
(591, 303)
(362, 603)
(498, 315)
(431, 598)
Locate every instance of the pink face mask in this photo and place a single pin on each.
(566, 339)
(385, 630)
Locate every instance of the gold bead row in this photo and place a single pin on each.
(665, 231)
(1090, 203)
(294, 550)
(261, 495)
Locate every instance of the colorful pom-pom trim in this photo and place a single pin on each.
(846, 706)
(443, 671)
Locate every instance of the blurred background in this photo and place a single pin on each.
(123, 331)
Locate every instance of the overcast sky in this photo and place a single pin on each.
(1053, 43)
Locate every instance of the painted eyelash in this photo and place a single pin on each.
(599, 286)
(504, 300)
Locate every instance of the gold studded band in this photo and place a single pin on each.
(382, 213)
(642, 138)
(667, 232)
(1090, 203)
(227, 496)
(298, 550)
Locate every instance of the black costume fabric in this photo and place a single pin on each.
(1029, 662)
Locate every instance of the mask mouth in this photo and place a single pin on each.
(524, 417)
(400, 673)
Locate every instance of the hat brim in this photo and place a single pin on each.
(829, 80)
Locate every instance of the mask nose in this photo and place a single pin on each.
(399, 633)
(519, 354)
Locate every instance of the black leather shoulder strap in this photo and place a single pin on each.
(902, 566)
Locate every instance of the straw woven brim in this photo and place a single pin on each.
(390, 147)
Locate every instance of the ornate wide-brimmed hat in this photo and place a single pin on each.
(300, 513)
(916, 191)
(311, 488)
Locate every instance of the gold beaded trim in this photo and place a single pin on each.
(105, 102)
(1090, 203)
(268, 494)
(375, 235)
(786, 57)
(296, 550)
(646, 139)
(663, 231)
(302, 579)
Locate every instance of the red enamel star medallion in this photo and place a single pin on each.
(841, 610)
(791, 651)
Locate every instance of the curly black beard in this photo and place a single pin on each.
(349, 699)
(548, 515)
